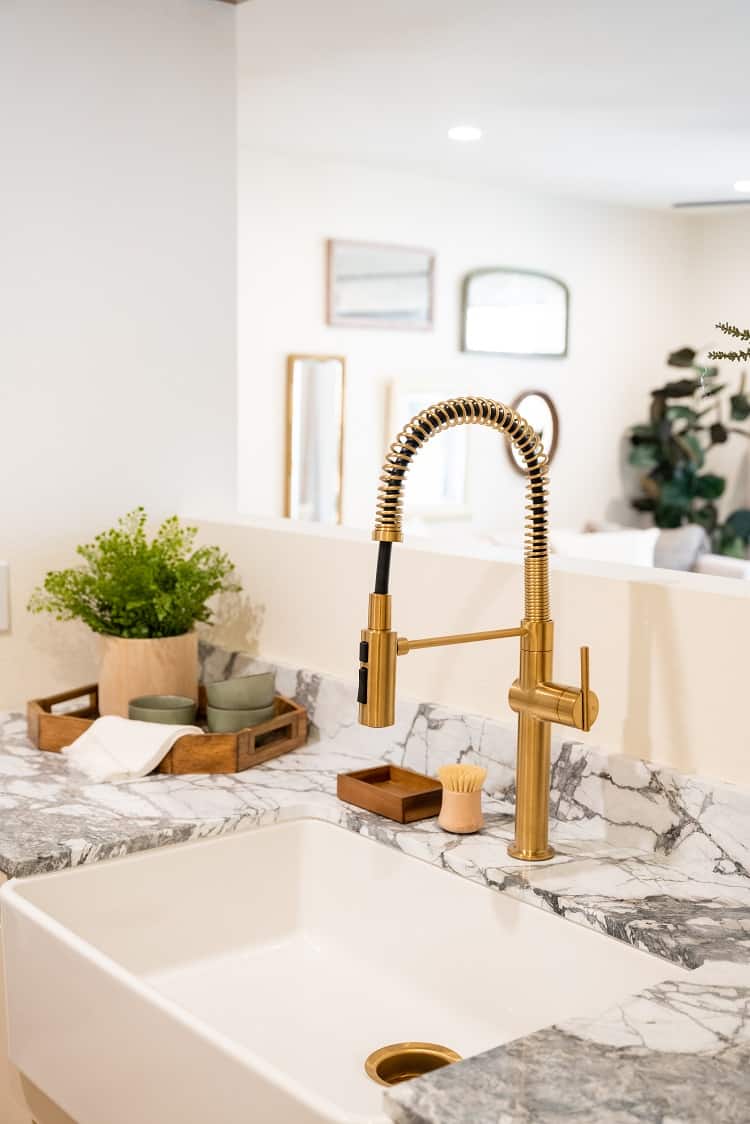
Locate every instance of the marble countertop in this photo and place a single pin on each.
(678, 1052)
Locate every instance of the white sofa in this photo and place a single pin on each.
(684, 548)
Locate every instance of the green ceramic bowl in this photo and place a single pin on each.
(222, 720)
(247, 692)
(172, 710)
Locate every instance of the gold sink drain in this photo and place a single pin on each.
(390, 1065)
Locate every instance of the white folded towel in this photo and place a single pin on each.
(121, 749)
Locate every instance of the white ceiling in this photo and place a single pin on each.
(634, 101)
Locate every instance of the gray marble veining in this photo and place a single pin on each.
(675, 1053)
(646, 855)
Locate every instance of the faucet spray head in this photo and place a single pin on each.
(377, 665)
(377, 652)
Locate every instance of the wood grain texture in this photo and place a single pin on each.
(398, 794)
(167, 665)
(192, 753)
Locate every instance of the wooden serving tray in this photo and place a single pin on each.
(192, 753)
(398, 794)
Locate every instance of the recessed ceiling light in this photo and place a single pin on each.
(470, 133)
(742, 185)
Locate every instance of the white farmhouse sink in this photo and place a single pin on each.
(247, 978)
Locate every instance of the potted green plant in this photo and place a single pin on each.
(688, 417)
(143, 597)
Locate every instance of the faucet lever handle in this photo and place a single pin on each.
(585, 689)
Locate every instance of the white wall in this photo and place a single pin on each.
(719, 290)
(719, 264)
(668, 650)
(626, 272)
(117, 285)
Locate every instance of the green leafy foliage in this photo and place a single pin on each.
(136, 587)
(709, 487)
(734, 535)
(680, 413)
(740, 356)
(672, 447)
(685, 357)
(740, 406)
(739, 524)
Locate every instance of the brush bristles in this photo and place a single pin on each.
(462, 778)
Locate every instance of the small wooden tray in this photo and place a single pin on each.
(192, 753)
(398, 794)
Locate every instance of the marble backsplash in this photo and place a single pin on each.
(627, 803)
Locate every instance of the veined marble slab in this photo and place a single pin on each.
(629, 803)
(650, 856)
(647, 855)
(677, 1053)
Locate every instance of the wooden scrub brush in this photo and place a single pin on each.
(461, 810)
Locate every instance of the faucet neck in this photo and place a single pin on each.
(495, 415)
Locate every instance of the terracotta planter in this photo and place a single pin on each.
(166, 666)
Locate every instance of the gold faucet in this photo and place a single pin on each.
(534, 697)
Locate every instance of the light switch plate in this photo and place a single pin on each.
(4, 598)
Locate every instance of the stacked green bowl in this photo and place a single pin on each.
(235, 704)
(171, 710)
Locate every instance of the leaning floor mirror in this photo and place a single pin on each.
(315, 389)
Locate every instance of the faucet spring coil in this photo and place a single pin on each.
(495, 415)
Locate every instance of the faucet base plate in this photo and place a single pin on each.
(530, 856)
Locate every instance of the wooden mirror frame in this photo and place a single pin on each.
(290, 361)
(515, 404)
(393, 325)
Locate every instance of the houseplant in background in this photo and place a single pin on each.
(741, 334)
(143, 597)
(688, 417)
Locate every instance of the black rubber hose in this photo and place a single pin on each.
(383, 572)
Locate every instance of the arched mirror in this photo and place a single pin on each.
(515, 312)
(539, 411)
